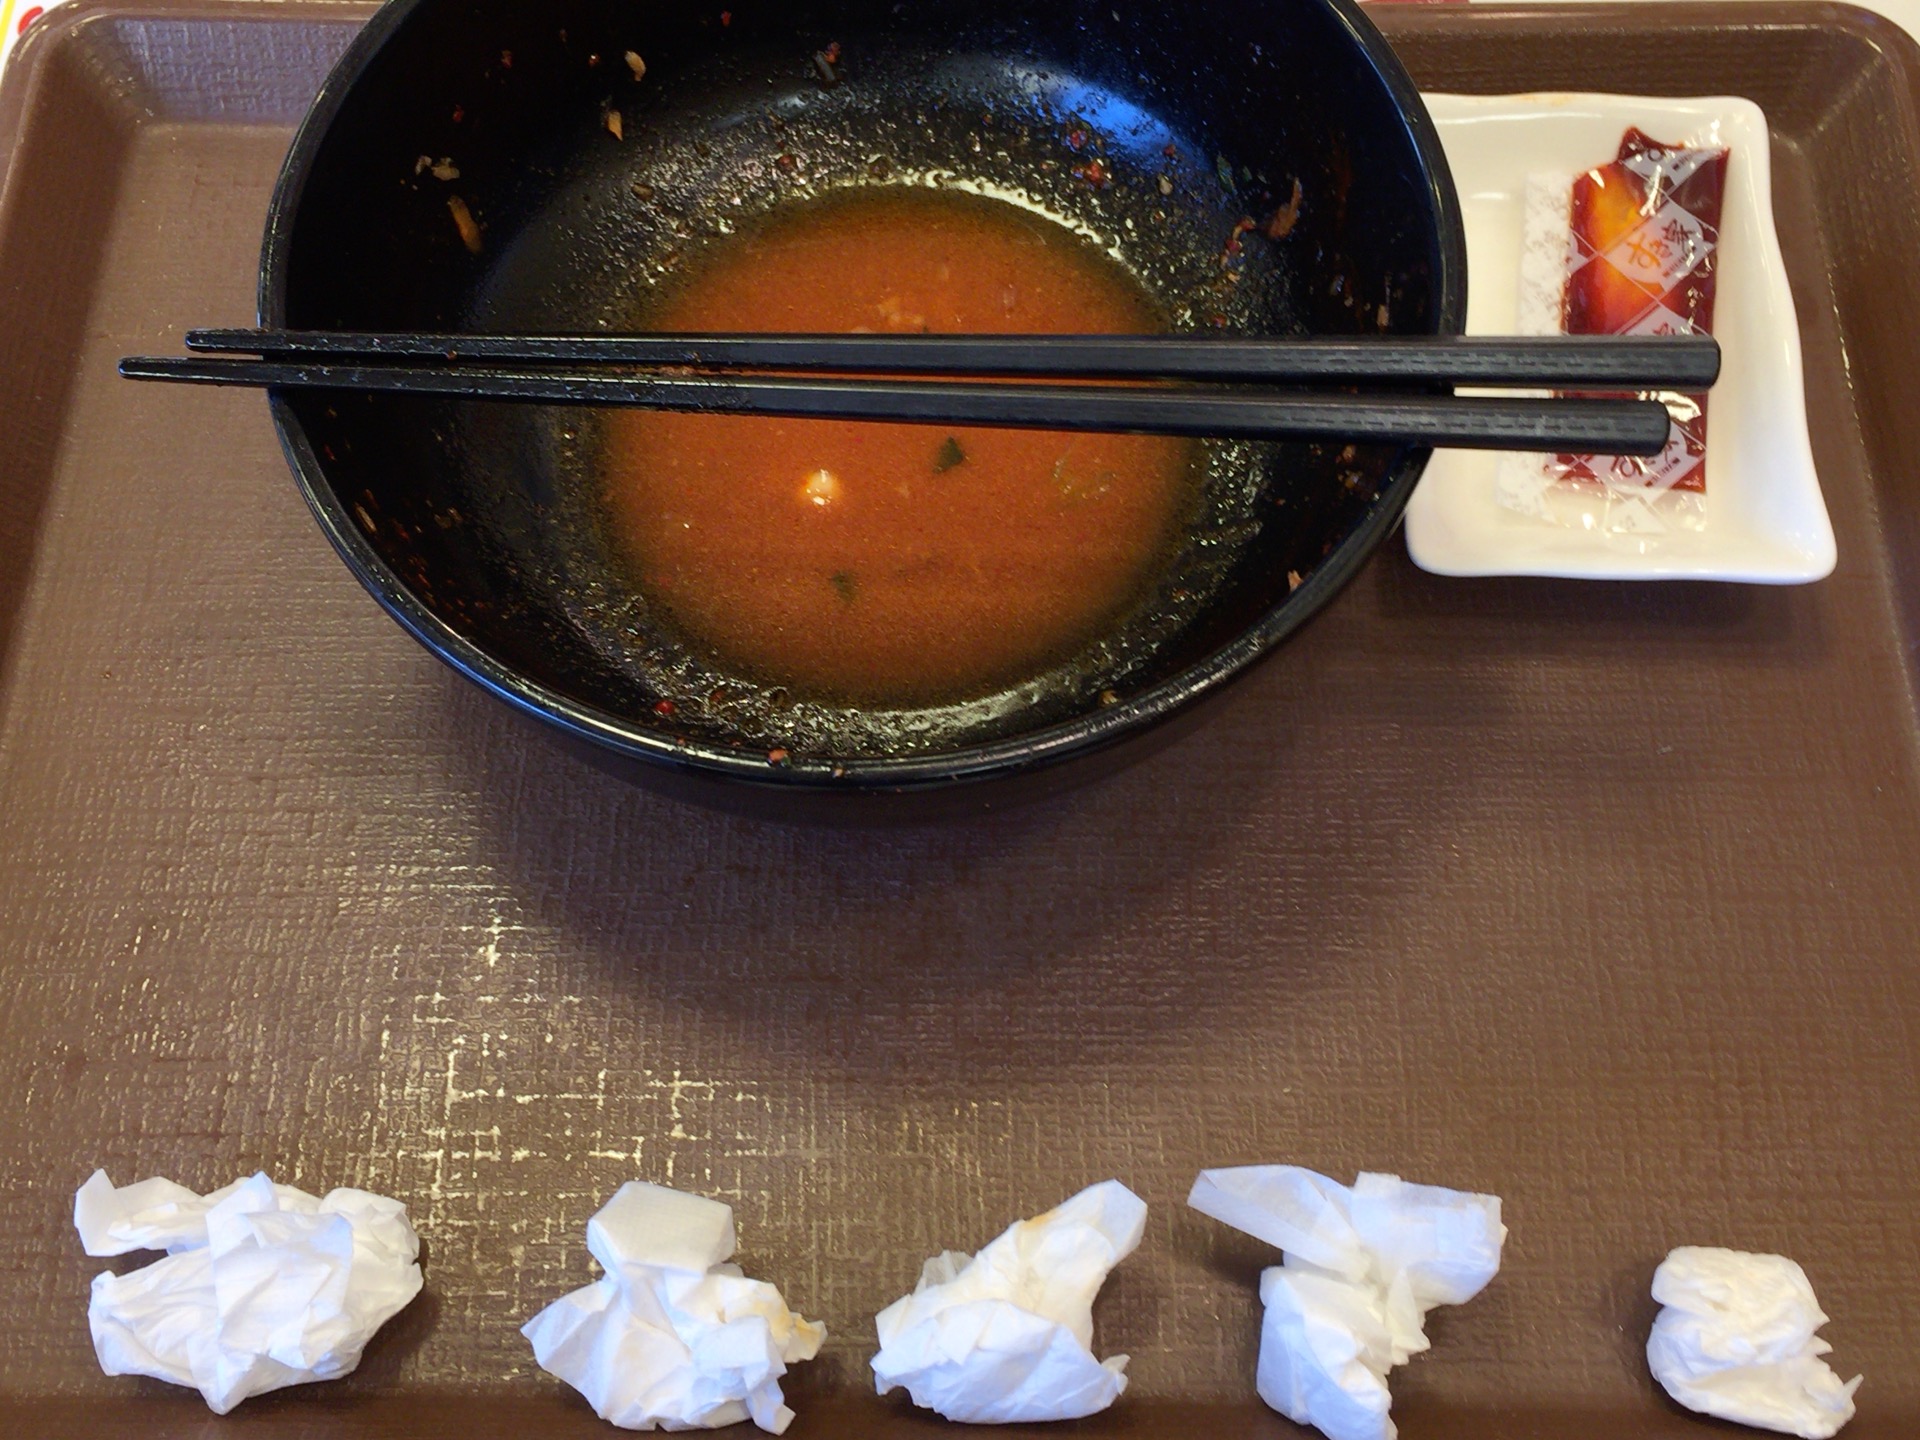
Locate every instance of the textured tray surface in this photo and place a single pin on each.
(1599, 897)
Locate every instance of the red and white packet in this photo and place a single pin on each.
(16, 16)
(1627, 248)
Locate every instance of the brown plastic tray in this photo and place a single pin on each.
(1601, 897)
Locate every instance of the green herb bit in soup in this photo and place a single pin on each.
(948, 455)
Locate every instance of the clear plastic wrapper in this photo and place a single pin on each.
(1626, 248)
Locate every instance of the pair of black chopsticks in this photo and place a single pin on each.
(1227, 384)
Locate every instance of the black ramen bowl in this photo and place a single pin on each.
(476, 524)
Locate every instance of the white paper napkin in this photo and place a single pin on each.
(670, 1337)
(1007, 1335)
(263, 1285)
(1349, 1300)
(1736, 1339)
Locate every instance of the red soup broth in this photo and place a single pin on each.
(886, 564)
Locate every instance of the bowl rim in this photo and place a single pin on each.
(1079, 735)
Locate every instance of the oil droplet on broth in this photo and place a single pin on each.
(822, 488)
(895, 564)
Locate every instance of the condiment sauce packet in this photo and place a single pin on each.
(1627, 248)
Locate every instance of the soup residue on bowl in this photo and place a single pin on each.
(895, 565)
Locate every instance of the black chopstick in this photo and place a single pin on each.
(1588, 362)
(1611, 427)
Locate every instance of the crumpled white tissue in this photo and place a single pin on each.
(1736, 1339)
(1362, 1268)
(263, 1285)
(670, 1337)
(1006, 1336)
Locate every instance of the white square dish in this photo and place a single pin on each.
(1765, 519)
